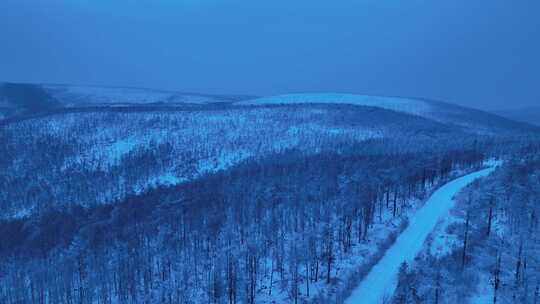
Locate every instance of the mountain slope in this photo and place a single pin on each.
(213, 202)
(144, 149)
(154, 146)
(26, 100)
(72, 96)
(410, 106)
(529, 115)
(31, 99)
(473, 120)
(19, 99)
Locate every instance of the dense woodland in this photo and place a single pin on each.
(260, 227)
(264, 201)
(94, 158)
(496, 252)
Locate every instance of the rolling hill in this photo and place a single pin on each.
(254, 197)
(27, 100)
(23, 99)
(466, 118)
(108, 130)
(18, 100)
(77, 96)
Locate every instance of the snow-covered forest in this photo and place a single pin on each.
(269, 152)
(491, 242)
(249, 203)
(100, 157)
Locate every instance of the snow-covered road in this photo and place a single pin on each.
(381, 282)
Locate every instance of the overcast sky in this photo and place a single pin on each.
(478, 53)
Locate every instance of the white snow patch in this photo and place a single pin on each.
(485, 292)
(442, 243)
(167, 179)
(223, 161)
(121, 147)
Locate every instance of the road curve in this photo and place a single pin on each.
(381, 281)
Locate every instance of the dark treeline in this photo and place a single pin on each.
(277, 225)
(24, 99)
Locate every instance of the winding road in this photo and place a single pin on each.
(381, 281)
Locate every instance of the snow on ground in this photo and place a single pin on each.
(381, 282)
(410, 106)
(485, 292)
(223, 161)
(199, 142)
(165, 179)
(345, 265)
(119, 148)
(105, 151)
(442, 243)
(348, 266)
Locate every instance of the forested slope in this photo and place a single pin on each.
(460, 117)
(226, 204)
(271, 226)
(94, 158)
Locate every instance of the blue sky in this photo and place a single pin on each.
(477, 53)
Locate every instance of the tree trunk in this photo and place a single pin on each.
(395, 204)
(496, 278)
(465, 239)
(490, 217)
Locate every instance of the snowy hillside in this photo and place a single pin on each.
(96, 95)
(258, 203)
(472, 120)
(294, 196)
(406, 105)
(183, 145)
(19, 100)
(24, 100)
